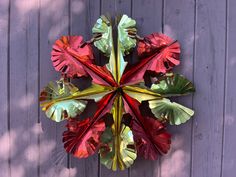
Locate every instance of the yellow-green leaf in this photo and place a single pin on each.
(141, 93)
(119, 150)
(127, 152)
(60, 110)
(95, 92)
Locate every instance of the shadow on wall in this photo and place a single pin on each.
(32, 154)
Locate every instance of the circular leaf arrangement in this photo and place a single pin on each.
(118, 130)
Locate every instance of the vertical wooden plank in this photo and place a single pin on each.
(113, 8)
(23, 87)
(54, 21)
(148, 15)
(177, 14)
(4, 134)
(228, 143)
(84, 14)
(116, 7)
(209, 81)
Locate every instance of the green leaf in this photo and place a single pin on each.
(58, 109)
(125, 42)
(102, 31)
(127, 153)
(126, 34)
(173, 85)
(175, 113)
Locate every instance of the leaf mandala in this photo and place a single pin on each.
(118, 91)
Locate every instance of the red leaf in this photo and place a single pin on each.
(64, 61)
(100, 75)
(89, 143)
(150, 135)
(159, 53)
(82, 137)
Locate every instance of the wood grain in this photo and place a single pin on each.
(209, 80)
(4, 87)
(175, 15)
(228, 143)
(54, 22)
(23, 78)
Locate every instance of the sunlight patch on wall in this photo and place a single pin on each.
(26, 101)
(77, 7)
(60, 171)
(7, 141)
(175, 163)
(229, 120)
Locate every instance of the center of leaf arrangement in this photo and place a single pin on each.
(119, 90)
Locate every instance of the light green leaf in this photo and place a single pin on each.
(103, 29)
(126, 41)
(58, 109)
(126, 34)
(175, 113)
(173, 85)
(65, 109)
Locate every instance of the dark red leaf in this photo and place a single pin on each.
(64, 61)
(150, 135)
(152, 139)
(159, 53)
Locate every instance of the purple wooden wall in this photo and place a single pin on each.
(30, 144)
